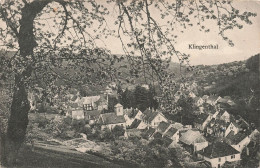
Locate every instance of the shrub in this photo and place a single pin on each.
(41, 120)
(118, 131)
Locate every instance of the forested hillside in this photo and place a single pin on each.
(240, 80)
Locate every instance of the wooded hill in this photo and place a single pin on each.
(239, 79)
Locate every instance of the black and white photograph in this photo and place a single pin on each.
(129, 83)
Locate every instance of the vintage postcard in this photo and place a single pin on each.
(129, 83)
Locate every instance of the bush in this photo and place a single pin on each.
(41, 120)
(78, 125)
(118, 131)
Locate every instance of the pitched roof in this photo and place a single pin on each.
(149, 115)
(93, 114)
(157, 135)
(149, 132)
(135, 123)
(191, 136)
(218, 122)
(171, 132)
(163, 126)
(111, 118)
(235, 139)
(201, 118)
(90, 99)
(218, 149)
(167, 141)
(177, 125)
(132, 113)
(221, 112)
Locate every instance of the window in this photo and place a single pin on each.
(219, 159)
(233, 156)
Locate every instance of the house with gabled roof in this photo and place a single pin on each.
(138, 124)
(224, 115)
(94, 103)
(221, 127)
(168, 142)
(238, 141)
(153, 118)
(202, 120)
(163, 127)
(148, 133)
(110, 120)
(218, 153)
(232, 126)
(131, 115)
(173, 134)
(193, 141)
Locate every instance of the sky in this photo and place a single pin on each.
(246, 40)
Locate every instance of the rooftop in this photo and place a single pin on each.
(90, 99)
(163, 126)
(171, 132)
(93, 114)
(201, 118)
(135, 123)
(235, 139)
(149, 115)
(149, 132)
(191, 137)
(218, 149)
(111, 118)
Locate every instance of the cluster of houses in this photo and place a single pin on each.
(215, 136)
(230, 134)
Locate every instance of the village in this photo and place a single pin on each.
(214, 137)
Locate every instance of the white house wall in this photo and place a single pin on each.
(215, 161)
(156, 121)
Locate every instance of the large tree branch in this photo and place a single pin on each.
(8, 21)
(63, 4)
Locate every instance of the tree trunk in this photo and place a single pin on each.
(18, 121)
(20, 107)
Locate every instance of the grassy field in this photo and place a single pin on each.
(53, 158)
